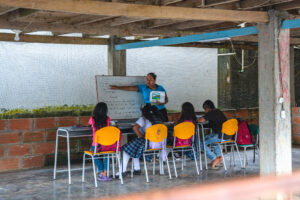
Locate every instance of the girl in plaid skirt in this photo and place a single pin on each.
(135, 148)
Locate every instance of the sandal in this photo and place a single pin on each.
(219, 165)
(101, 177)
(214, 168)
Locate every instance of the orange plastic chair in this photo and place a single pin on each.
(105, 136)
(184, 130)
(155, 133)
(230, 127)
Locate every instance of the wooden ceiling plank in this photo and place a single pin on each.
(125, 20)
(193, 24)
(98, 19)
(4, 10)
(169, 2)
(211, 3)
(144, 11)
(289, 6)
(156, 23)
(251, 4)
(21, 13)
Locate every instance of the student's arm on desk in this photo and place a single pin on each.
(128, 88)
(136, 130)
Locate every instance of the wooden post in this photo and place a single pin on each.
(274, 88)
(116, 59)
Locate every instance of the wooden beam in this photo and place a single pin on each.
(53, 39)
(4, 10)
(92, 29)
(211, 3)
(102, 41)
(220, 35)
(21, 13)
(144, 11)
(289, 6)
(125, 20)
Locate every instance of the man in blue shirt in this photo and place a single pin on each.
(146, 89)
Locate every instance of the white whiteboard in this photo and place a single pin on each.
(121, 104)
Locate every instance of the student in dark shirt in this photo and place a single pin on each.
(216, 118)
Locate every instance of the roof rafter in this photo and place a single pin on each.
(4, 10)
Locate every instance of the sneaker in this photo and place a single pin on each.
(137, 172)
(124, 174)
(101, 177)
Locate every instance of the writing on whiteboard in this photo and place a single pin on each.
(121, 104)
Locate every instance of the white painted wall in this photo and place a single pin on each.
(35, 75)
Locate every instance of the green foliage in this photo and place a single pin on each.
(48, 111)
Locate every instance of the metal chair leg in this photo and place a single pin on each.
(245, 148)
(108, 165)
(230, 157)
(233, 156)
(154, 164)
(195, 158)
(237, 148)
(95, 179)
(113, 165)
(55, 158)
(167, 160)
(145, 166)
(131, 167)
(174, 164)
(182, 160)
(120, 169)
(83, 168)
(200, 160)
(224, 162)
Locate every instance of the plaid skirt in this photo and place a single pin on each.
(136, 148)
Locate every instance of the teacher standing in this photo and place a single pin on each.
(146, 89)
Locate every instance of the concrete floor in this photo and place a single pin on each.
(39, 184)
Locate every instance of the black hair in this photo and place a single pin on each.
(152, 74)
(100, 115)
(208, 104)
(187, 113)
(151, 113)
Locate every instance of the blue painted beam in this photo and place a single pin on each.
(291, 23)
(190, 38)
(286, 24)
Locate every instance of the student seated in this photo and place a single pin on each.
(216, 118)
(187, 115)
(98, 121)
(135, 148)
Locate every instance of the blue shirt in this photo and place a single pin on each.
(146, 93)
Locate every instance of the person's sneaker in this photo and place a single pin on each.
(101, 177)
(137, 172)
(124, 174)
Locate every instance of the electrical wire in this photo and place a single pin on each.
(237, 59)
